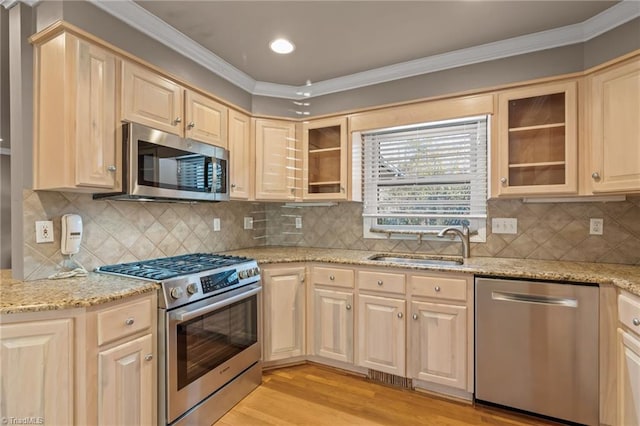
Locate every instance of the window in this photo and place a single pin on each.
(426, 177)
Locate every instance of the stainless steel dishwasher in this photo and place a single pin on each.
(537, 347)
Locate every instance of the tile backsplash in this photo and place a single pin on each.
(121, 231)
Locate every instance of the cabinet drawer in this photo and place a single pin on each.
(332, 276)
(381, 281)
(124, 320)
(439, 287)
(629, 311)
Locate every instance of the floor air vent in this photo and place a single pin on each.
(389, 379)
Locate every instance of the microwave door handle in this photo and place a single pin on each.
(183, 316)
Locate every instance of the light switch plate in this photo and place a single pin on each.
(504, 225)
(44, 231)
(216, 223)
(248, 222)
(596, 226)
(298, 223)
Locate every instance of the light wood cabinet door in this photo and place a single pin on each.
(76, 143)
(276, 160)
(126, 391)
(438, 336)
(240, 170)
(150, 99)
(325, 158)
(37, 367)
(537, 144)
(381, 334)
(284, 314)
(628, 379)
(205, 119)
(333, 324)
(615, 128)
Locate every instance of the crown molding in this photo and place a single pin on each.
(8, 4)
(136, 16)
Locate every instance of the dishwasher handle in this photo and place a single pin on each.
(534, 298)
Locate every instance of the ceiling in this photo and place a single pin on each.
(335, 39)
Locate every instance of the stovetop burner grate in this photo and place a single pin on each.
(170, 267)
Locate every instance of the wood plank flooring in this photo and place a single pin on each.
(312, 394)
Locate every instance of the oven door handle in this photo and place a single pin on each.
(182, 316)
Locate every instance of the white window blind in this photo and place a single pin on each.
(426, 176)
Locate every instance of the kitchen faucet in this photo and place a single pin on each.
(464, 237)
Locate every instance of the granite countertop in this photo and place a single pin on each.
(46, 295)
(626, 277)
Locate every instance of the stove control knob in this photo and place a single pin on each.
(243, 274)
(256, 271)
(192, 288)
(176, 292)
(251, 272)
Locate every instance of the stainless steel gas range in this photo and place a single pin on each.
(208, 342)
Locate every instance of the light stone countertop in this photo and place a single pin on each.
(46, 295)
(626, 277)
(43, 295)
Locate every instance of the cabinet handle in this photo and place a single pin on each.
(400, 315)
(503, 180)
(148, 357)
(415, 316)
(191, 125)
(636, 321)
(332, 278)
(348, 307)
(129, 321)
(437, 288)
(595, 175)
(178, 120)
(111, 168)
(379, 282)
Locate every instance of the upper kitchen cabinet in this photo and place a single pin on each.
(614, 95)
(537, 141)
(325, 159)
(153, 100)
(240, 170)
(276, 160)
(75, 138)
(150, 99)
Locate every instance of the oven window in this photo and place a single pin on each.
(207, 341)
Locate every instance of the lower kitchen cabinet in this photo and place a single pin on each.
(438, 342)
(333, 324)
(628, 410)
(284, 313)
(38, 373)
(381, 334)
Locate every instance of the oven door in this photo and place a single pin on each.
(209, 343)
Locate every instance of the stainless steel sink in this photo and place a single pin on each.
(416, 260)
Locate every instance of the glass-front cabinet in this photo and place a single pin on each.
(325, 159)
(537, 141)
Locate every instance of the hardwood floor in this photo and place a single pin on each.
(311, 394)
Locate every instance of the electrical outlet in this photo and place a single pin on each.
(216, 224)
(44, 231)
(502, 225)
(298, 223)
(248, 222)
(596, 226)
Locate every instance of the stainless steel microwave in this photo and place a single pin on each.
(165, 167)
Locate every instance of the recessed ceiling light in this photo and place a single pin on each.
(282, 46)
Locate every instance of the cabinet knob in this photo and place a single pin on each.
(148, 357)
(636, 321)
(191, 125)
(400, 315)
(178, 120)
(595, 175)
(293, 191)
(233, 185)
(437, 288)
(503, 180)
(129, 321)
(332, 278)
(415, 316)
(380, 282)
(348, 307)
(342, 189)
(112, 168)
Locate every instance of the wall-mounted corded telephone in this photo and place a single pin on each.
(71, 234)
